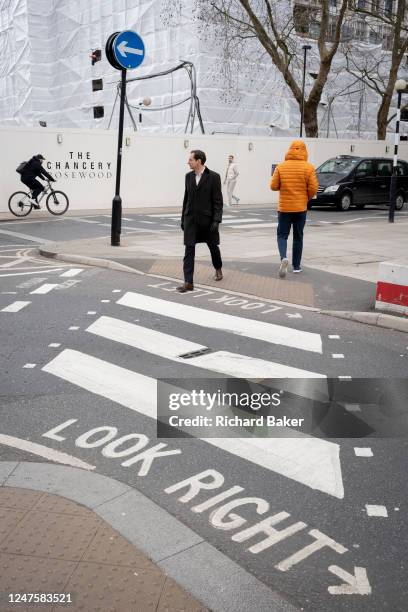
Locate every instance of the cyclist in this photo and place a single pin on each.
(31, 171)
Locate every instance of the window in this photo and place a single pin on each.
(374, 37)
(97, 84)
(366, 168)
(360, 30)
(402, 169)
(338, 165)
(98, 112)
(388, 8)
(384, 168)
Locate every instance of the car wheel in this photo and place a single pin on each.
(345, 202)
(399, 201)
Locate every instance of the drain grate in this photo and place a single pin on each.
(203, 351)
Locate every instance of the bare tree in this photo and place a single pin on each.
(379, 70)
(273, 27)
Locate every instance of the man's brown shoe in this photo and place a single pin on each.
(185, 287)
(218, 275)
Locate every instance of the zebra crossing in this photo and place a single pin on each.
(313, 462)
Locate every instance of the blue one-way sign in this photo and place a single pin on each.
(129, 49)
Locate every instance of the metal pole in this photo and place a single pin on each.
(117, 200)
(393, 187)
(302, 112)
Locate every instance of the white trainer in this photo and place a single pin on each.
(297, 270)
(283, 268)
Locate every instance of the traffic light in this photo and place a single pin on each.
(96, 56)
(404, 113)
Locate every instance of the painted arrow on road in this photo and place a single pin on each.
(125, 50)
(354, 584)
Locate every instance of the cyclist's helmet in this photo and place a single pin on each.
(40, 157)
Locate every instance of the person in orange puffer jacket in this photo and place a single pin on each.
(296, 180)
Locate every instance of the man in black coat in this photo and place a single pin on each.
(32, 169)
(201, 216)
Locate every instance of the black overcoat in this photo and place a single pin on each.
(202, 205)
(33, 169)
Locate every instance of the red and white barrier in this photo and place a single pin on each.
(392, 287)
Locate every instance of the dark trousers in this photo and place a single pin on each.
(188, 261)
(286, 220)
(34, 185)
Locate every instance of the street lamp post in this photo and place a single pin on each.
(302, 112)
(400, 87)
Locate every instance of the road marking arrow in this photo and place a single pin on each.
(124, 50)
(354, 584)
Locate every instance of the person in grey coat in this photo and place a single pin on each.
(201, 216)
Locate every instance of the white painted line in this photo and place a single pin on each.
(337, 355)
(171, 347)
(142, 221)
(105, 301)
(373, 510)
(54, 345)
(352, 407)
(44, 451)
(73, 328)
(168, 225)
(29, 366)
(143, 338)
(345, 378)
(117, 291)
(311, 461)
(363, 452)
(44, 271)
(91, 312)
(72, 272)
(242, 366)
(43, 289)
(254, 226)
(26, 237)
(259, 330)
(15, 306)
(334, 337)
(82, 220)
(9, 292)
(118, 384)
(296, 315)
(235, 220)
(158, 215)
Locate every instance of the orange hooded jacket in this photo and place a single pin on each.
(295, 179)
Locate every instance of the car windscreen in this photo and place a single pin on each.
(337, 165)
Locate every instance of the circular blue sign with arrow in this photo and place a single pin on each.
(128, 49)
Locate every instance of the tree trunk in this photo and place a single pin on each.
(310, 120)
(382, 116)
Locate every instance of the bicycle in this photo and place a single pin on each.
(21, 203)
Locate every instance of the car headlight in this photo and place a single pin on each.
(331, 189)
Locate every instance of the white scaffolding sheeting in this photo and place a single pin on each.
(46, 73)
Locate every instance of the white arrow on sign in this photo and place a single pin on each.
(354, 584)
(124, 50)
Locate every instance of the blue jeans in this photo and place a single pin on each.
(286, 220)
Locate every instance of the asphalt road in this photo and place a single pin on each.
(41, 226)
(81, 351)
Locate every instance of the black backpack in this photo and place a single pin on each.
(20, 168)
